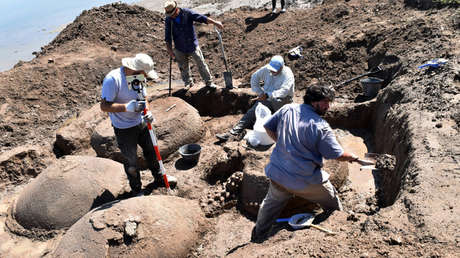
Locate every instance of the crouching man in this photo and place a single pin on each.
(278, 90)
(120, 100)
(302, 139)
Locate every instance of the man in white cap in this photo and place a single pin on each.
(277, 90)
(179, 27)
(120, 90)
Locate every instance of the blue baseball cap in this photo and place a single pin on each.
(276, 63)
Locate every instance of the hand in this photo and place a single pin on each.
(135, 106)
(171, 54)
(148, 118)
(261, 97)
(219, 25)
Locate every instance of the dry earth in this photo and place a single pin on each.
(415, 117)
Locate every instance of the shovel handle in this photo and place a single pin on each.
(222, 48)
(373, 71)
(323, 229)
(364, 162)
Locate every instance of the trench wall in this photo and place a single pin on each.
(393, 134)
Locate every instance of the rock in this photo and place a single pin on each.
(74, 136)
(161, 229)
(171, 132)
(64, 192)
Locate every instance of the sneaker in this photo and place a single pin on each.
(273, 10)
(223, 136)
(227, 136)
(211, 85)
(159, 182)
(283, 10)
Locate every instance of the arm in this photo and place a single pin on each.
(271, 125)
(107, 106)
(169, 49)
(271, 134)
(168, 38)
(330, 148)
(218, 24)
(255, 81)
(348, 156)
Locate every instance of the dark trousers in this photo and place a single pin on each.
(128, 139)
(248, 120)
(274, 4)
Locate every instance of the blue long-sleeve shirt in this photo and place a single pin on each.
(183, 32)
(304, 138)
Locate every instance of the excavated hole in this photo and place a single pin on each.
(365, 117)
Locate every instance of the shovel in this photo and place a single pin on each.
(366, 164)
(227, 74)
(373, 71)
(302, 220)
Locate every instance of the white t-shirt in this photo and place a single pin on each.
(115, 89)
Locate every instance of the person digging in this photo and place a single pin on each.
(302, 139)
(119, 99)
(179, 27)
(277, 90)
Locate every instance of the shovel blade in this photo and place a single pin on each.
(228, 80)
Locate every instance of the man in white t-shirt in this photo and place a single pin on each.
(120, 100)
(277, 90)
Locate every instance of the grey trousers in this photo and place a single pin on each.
(184, 65)
(277, 197)
(249, 119)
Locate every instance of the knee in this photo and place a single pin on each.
(132, 171)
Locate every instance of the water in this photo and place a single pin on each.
(26, 26)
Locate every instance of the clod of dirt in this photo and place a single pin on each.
(385, 162)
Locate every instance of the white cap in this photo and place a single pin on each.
(141, 62)
(276, 63)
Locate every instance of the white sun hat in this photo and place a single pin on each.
(141, 62)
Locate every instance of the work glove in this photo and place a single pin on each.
(135, 106)
(148, 118)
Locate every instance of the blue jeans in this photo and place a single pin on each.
(127, 140)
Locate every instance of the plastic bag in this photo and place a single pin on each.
(258, 136)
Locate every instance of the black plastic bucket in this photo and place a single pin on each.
(371, 86)
(190, 152)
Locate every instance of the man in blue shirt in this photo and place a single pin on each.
(179, 27)
(120, 100)
(303, 139)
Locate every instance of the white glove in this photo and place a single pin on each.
(148, 118)
(135, 106)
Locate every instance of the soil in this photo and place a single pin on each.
(415, 117)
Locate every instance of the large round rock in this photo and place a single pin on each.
(177, 123)
(66, 191)
(147, 226)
